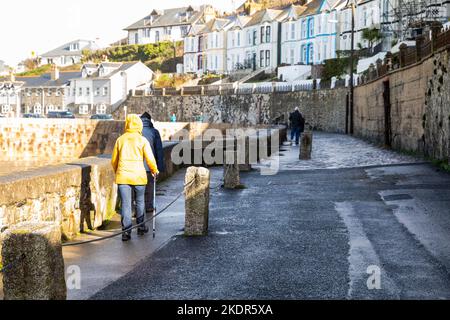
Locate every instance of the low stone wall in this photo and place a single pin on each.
(56, 139)
(77, 196)
(324, 109)
(419, 108)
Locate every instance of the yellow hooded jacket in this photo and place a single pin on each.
(130, 151)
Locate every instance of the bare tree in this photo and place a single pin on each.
(402, 17)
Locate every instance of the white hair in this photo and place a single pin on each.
(296, 109)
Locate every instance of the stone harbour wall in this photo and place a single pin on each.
(51, 139)
(324, 109)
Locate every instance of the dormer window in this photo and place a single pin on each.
(74, 46)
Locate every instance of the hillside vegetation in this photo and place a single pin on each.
(163, 56)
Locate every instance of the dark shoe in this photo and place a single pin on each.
(126, 236)
(150, 211)
(142, 230)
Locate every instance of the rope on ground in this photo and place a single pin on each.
(72, 244)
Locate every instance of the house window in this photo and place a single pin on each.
(249, 37)
(292, 53)
(52, 108)
(147, 32)
(304, 29)
(261, 40)
(216, 38)
(254, 37)
(156, 36)
(49, 92)
(37, 109)
(292, 31)
(303, 54)
(184, 31)
(238, 39)
(105, 91)
(6, 108)
(74, 92)
(84, 109)
(267, 58)
(88, 91)
(80, 91)
(261, 58)
(97, 91)
(311, 54)
(268, 34)
(58, 92)
(311, 27)
(168, 31)
(101, 109)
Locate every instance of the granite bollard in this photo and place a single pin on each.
(197, 183)
(306, 145)
(33, 253)
(231, 179)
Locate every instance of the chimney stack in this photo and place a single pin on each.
(54, 73)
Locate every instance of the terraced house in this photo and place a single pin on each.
(167, 25)
(309, 33)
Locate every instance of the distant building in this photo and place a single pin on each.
(68, 54)
(215, 41)
(404, 20)
(167, 25)
(4, 69)
(45, 93)
(10, 101)
(194, 50)
(101, 88)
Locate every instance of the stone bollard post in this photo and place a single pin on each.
(197, 201)
(231, 178)
(33, 252)
(306, 145)
(245, 164)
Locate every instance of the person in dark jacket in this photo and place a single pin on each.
(297, 125)
(154, 138)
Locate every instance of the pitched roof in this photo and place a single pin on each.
(46, 81)
(168, 17)
(312, 7)
(264, 15)
(216, 24)
(64, 50)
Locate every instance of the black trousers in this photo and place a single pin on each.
(149, 204)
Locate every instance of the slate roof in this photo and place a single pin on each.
(216, 24)
(259, 16)
(64, 50)
(169, 17)
(46, 81)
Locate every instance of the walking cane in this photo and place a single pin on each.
(154, 206)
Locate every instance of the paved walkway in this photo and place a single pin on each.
(311, 231)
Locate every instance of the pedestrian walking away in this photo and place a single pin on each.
(297, 125)
(154, 138)
(130, 151)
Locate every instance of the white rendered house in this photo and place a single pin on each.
(102, 88)
(167, 25)
(68, 54)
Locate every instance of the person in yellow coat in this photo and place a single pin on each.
(130, 151)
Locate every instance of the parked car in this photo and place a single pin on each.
(60, 114)
(32, 115)
(102, 117)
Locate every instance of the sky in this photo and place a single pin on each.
(42, 25)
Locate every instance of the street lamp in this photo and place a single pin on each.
(351, 4)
